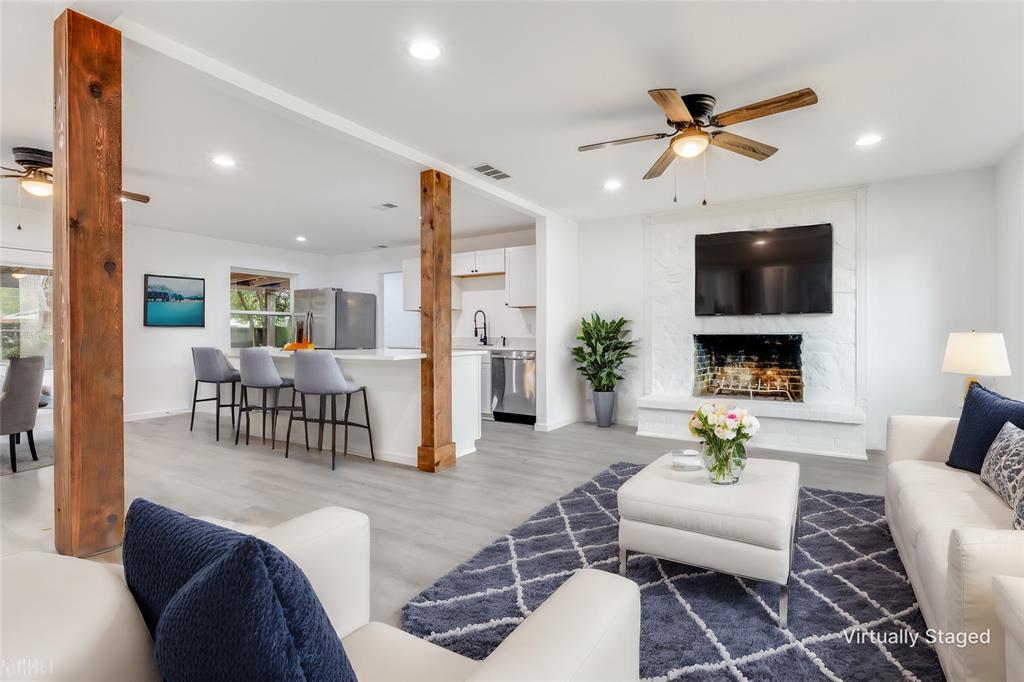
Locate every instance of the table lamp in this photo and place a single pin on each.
(976, 353)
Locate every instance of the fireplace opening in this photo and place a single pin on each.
(757, 366)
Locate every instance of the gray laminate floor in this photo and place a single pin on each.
(423, 525)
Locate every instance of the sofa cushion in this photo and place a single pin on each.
(943, 510)
(983, 415)
(249, 615)
(163, 549)
(926, 474)
(381, 653)
(1003, 469)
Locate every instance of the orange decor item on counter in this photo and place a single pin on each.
(300, 345)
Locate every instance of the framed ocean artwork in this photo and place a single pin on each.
(174, 301)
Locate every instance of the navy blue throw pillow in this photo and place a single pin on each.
(983, 415)
(222, 605)
(163, 549)
(249, 615)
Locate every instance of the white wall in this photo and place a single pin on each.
(558, 312)
(158, 372)
(1009, 265)
(929, 252)
(33, 243)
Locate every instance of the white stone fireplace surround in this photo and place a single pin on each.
(830, 420)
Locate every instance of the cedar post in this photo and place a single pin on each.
(88, 415)
(437, 450)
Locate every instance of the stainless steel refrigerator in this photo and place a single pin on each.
(340, 319)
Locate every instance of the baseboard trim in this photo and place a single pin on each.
(555, 425)
(774, 448)
(140, 416)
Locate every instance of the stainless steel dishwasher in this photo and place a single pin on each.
(514, 386)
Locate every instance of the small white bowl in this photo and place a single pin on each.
(686, 460)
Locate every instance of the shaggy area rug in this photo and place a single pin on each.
(697, 624)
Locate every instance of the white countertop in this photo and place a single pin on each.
(371, 354)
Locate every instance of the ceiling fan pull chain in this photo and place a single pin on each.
(675, 184)
(706, 155)
(19, 208)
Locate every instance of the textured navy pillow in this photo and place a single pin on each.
(163, 549)
(983, 415)
(249, 615)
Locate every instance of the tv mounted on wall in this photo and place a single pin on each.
(781, 271)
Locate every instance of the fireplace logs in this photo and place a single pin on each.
(765, 366)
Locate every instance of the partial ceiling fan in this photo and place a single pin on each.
(689, 115)
(36, 174)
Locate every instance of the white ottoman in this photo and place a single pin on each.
(745, 529)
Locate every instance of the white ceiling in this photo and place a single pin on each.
(293, 177)
(521, 85)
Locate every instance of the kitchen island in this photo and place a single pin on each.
(392, 380)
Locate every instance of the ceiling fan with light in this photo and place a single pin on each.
(690, 115)
(36, 174)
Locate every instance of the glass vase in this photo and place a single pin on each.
(724, 461)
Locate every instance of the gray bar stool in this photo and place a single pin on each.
(213, 368)
(259, 372)
(317, 373)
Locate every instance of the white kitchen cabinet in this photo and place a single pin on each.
(490, 262)
(411, 286)
(474, 263)
(521, 277)
(463, 263)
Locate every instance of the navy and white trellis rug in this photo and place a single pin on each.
(696, 624)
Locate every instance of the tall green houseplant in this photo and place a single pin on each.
(599, 359)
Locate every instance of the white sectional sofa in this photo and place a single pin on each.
(73, 619)
(954, 534)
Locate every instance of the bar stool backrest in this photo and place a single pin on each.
(317, 372)
(211, 365)
(257, 368)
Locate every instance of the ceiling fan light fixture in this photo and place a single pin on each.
(690, 143)
(37, 184)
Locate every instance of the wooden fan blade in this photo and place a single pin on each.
(759, 151)
(141, 198)
(13, 170)
(625, 140)
(672, 104)
(775, 105)
(661, 165)
(20, 175)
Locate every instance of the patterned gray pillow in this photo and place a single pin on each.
(1003, 469)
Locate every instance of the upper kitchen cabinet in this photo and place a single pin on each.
(411, 286)
(521, 277)
(475, 263)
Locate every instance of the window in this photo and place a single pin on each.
(26, 315)
(261, 310)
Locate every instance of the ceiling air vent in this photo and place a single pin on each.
(491, 172)
(386, 206)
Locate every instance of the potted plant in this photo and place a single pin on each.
(599, 357)
(723, 430)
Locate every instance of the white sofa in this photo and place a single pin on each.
(73, 619)
(954, 534)
(1010, 607)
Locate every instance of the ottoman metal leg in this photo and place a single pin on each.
(622, 562)
(784, 607)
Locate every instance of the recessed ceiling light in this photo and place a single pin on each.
(612, 184)
(222, 160)
(868, 139)
(425, 51)
(300, 238)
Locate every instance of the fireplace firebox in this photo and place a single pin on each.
(757, 366)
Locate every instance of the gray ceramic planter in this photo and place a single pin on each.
(604, 407)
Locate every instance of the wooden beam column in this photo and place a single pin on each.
(437, 451)
(88, 413)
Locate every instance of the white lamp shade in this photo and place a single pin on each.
(978, 353)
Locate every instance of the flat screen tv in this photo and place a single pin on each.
(765, 272)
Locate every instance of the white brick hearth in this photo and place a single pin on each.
(830, 421)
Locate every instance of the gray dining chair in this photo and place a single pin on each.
(19, 402)
(212, 367)
(258, 371)
(317, 373)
